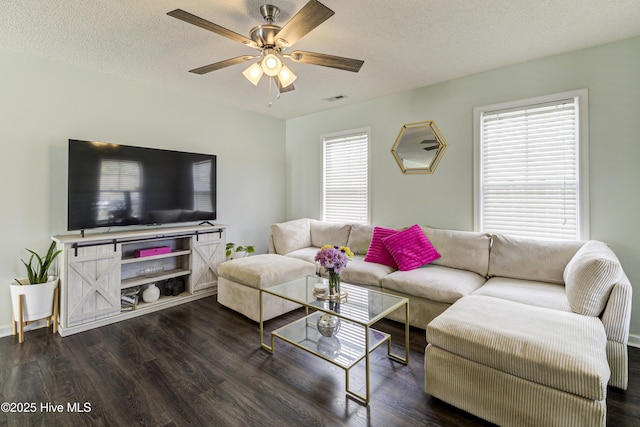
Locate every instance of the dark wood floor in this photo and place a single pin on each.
(199, 364)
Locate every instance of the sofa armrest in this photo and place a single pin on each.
(616, 316)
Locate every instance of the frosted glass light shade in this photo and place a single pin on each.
(253, 73)
(271, 65)
(286, 76)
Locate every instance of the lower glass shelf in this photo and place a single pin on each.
(345, 349)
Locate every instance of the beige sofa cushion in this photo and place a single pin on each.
(329, 233)
(590, 276)
(466, 250)
(434, 282)
(561, 350)
(360, 272)
(306, 254)
(540, 294)
(360, 238)
(291, 235)
(531, 259)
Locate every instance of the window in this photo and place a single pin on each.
(120, 184)
(202, 186)
(345, 178)
(531, 164)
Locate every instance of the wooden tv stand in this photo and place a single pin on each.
(96, 268)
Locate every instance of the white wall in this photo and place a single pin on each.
(445, 199)
(44, 103)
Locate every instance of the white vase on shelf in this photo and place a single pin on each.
(151, 294)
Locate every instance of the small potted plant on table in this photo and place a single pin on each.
(36, 296)
(238, 251)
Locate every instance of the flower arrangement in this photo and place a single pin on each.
(334, 259)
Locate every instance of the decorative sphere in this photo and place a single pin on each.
(329, 347)
(328, 324)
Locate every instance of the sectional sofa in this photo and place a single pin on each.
(577, 289)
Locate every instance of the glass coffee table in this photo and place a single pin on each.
(355, 339)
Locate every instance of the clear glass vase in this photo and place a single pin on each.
(334, 283)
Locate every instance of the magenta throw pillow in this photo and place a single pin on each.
(410, 248)
(377, 252)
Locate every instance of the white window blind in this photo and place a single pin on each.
(202, 186)
(120, 185)
(345, 183)
(530, 170)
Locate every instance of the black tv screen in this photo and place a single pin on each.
(119, 185)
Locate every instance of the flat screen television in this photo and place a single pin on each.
(119, 185)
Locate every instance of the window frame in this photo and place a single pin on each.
(346, 133)
(582, 127)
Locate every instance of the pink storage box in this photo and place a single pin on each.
(153, 251)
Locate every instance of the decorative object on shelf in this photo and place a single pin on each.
(36, 297)
(151, 293)
(328, 324)
(129, 298)
(329, 346)
(141, 253)
(174, 286)
(334, 259)
(419, 147)
(150, 271)
(233, 251)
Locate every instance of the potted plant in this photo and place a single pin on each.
(238, 251)
(33, 297)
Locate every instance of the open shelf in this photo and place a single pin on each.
(160, 301)
(130, 260)
(143, 280)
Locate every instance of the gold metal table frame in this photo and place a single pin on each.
(356, 339)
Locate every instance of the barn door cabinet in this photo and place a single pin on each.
(95, 270)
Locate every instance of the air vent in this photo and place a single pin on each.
(336, 98)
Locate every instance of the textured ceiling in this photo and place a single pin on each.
(405, 44)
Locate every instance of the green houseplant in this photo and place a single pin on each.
(39, 273)
(39, 299)
(238, 251)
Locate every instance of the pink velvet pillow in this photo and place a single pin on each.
(377, 252)
(410, 248)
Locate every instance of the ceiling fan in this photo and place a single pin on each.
(272, 41)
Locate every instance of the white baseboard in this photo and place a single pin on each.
(7, 330)
(634, 341)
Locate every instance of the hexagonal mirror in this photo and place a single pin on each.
(419, 147)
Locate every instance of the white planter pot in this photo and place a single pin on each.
(240, 254)
(37, 300)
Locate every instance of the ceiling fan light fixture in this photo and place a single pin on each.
(271, 64)
(286, 76)
(253, 73)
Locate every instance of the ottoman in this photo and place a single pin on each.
(240, 281)
(519, 365)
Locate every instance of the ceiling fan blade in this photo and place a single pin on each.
(222, 64)
(309, 17)
(203, 23)
(283, 89)
(325, 60)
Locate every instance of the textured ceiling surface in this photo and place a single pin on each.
(405, 44)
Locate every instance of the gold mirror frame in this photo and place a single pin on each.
(419, 147)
